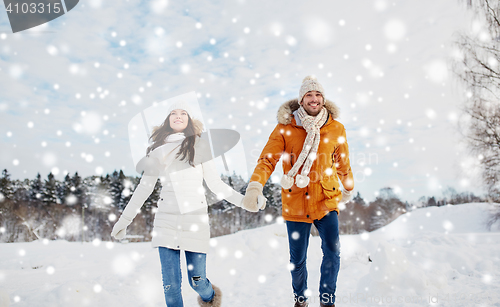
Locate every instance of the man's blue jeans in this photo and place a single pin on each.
(298, 240)
(171, 273)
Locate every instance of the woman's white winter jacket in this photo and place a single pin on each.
(181, 221)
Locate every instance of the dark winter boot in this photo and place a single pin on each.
(323, 305)
(303, 304)
(216, 300)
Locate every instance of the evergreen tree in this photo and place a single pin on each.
(101, 198)
(21, 190)
(152, 199)
(237, 181)
(105, 186)
(64, 189)
(78, 189)
(116, 189)
(431, 202)
(36, 188)
(6, 185)
(49, 192)
(272, 193)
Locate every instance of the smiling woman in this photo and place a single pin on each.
(179, 157)
(178, 120)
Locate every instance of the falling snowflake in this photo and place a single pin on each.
(395, 29)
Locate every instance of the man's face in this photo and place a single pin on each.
(312, 102)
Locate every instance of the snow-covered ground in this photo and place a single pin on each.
(432, 256)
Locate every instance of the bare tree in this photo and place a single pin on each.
(477, 66)
(384, 209)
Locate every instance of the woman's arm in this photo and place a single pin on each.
(141, 194)
(219, 187)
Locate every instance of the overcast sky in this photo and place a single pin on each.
(69, 88)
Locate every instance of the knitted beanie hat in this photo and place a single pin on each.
(181, 105)
(310, 83)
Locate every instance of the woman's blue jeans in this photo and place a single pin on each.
(298, 240)
(172, 277)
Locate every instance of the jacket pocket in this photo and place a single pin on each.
(293, 201)
(330, 187)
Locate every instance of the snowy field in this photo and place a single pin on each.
(432, 256)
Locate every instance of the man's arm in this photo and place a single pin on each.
(254, 199)
(342, 163)
(270, 156)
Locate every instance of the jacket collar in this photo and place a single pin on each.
(285, 111)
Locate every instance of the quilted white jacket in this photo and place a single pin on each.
(181, 221)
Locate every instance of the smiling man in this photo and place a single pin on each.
(315, 155)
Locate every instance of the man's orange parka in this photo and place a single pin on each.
(331, 164)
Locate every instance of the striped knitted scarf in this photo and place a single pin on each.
(312, 125)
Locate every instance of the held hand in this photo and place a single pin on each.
(346, 197)
(253, 198)
(261, 202)
(120, 229)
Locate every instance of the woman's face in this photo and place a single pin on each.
(178, 120)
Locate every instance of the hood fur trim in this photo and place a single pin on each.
(198, 126)
(285, 111)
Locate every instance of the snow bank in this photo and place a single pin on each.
(441, 255)
(448, 219)
(410, 266)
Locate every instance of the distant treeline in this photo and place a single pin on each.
(84, 209)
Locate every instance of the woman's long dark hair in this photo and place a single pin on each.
(161, 132)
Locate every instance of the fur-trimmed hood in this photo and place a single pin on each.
(286, 109)
(198, 126)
